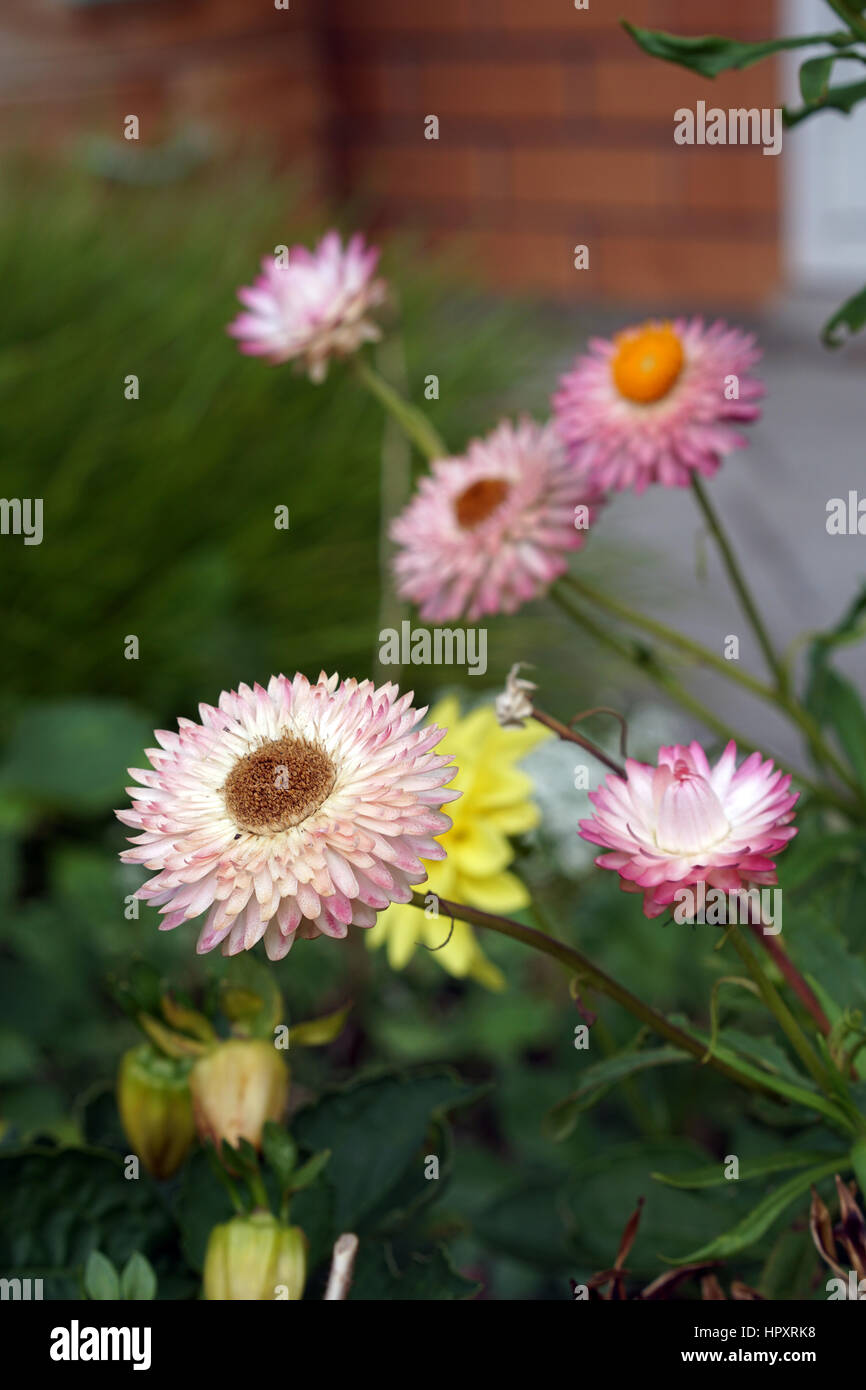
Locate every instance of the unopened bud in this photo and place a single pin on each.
(237, 1088)
(255, 1258)
(155, 1108)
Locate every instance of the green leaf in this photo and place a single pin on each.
(306, 1175)
(711, 54)
(318, 1032)
(385, 1273)
(601, 1192)
(100, 1278)
(57, 1207)
(851, 316)
(858, 1163)
(138, 1280)
(762, 1217)
(280, 1151)
(815, 77)
(74, 753)
(836, 704)
(713, 1174)
(375, 1129)
(599, 1078)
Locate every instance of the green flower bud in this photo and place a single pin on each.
(155, 1108)
(255, 1258)
(237, 1088)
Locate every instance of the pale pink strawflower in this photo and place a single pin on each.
(658, 403)
(296, 810)
(315, 308)
(487, 532)
(683, 823)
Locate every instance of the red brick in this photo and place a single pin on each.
(674, 272)
(486, 89)
(594, 177)
(644, 89)
(560, 16)
(736, 18)
(729, 178)
(426, 170)
(426, 16)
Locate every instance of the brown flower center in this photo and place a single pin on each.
(279, 785)
(478, 501)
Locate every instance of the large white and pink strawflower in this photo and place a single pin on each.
(684, 822)
(314, 308)
(658, 403)
(296, 810)
(487, 532)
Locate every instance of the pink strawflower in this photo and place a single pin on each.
(658, 403)
(486, 532)
(314, 308)
(298, 810)
(684, 823)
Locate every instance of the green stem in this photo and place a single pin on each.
(670, 636)
(779, 700)
(591, 974)
(647, 661)
(785, 699)
(856, 23)
(738, 580)
(572, 736)
(779, 1009)
(413, 421)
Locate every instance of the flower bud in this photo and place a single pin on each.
(237, 1088)
(155, 1108)
(255, 1258)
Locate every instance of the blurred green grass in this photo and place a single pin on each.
(159, 512)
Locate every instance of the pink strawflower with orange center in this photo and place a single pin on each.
(684, 822)
(296, 810)
(658, 403)
(314, 308)
(487, 532)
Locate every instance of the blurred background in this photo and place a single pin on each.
(259, 126)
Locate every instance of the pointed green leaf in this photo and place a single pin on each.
(711, 54)
(100, 1278)
(138, 1281)
(762, 1217)
(713, 1174)
(851, 316)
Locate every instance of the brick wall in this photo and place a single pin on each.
(554, 129)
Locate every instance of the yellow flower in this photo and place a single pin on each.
(496, 803)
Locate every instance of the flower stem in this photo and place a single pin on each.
(781, 700)
(571, 736)
(789, 972)
(646, 660)
(856, 23)
(779, 1009)
(596, 978)
(670, 636)
(784, 697)
(737, 579)
(410, 419)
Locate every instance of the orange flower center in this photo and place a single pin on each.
(479, 501)
(647, 363)
(278, 786)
